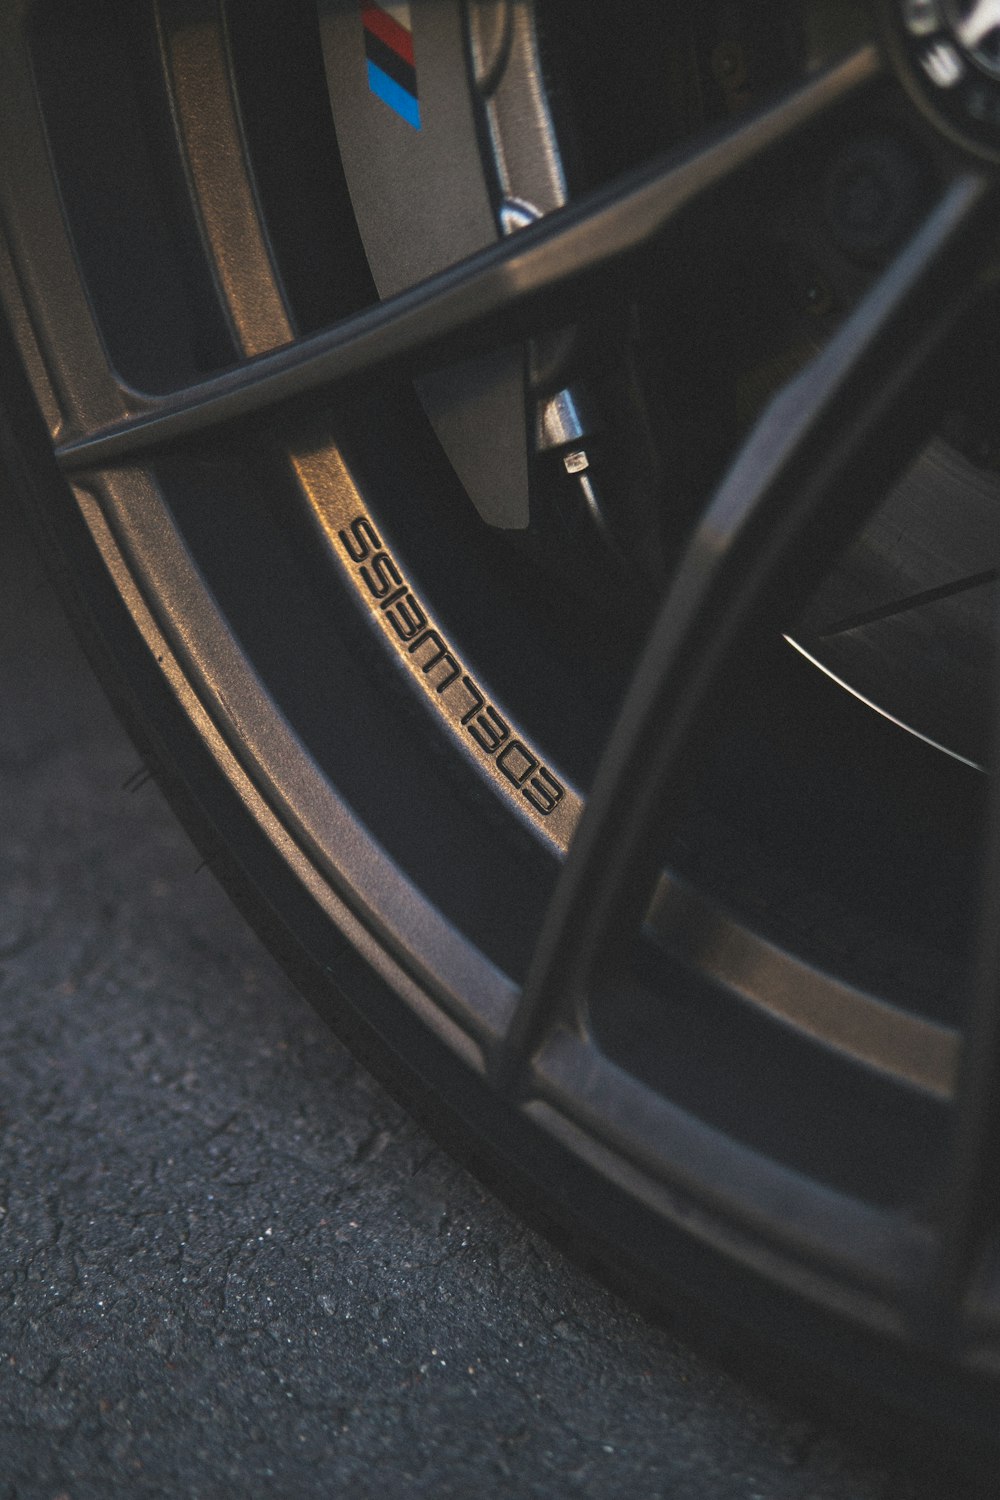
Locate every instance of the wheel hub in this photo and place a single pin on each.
(949, 54)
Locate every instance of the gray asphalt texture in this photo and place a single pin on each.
(229, 1264)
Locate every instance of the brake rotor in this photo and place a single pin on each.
(905, 620)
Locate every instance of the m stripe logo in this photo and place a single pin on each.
(392, 75)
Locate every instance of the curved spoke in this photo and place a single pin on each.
(542, 275)
(818, 460)
(193, 42)
(971, 1199)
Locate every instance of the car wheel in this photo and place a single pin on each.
(498, 456)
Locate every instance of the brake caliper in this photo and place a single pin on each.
(447, 145)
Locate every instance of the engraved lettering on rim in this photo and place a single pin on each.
(397, 604)
(490, 738)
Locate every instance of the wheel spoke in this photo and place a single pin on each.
(817, 462)
(193, 43)
(539, 277)
(971, 1198)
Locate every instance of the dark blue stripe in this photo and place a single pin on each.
(397, 68)
(388, 90)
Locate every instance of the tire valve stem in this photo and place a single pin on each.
(564, 425)
(577, 465)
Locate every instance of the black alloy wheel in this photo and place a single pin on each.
(477, 509)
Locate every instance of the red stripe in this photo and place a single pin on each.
(389, 31)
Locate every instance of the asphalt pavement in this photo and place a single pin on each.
(229, 1264)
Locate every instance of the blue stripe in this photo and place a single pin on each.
(389, 91)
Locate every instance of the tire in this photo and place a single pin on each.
(658, 927)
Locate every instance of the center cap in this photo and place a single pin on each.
(950, 50)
